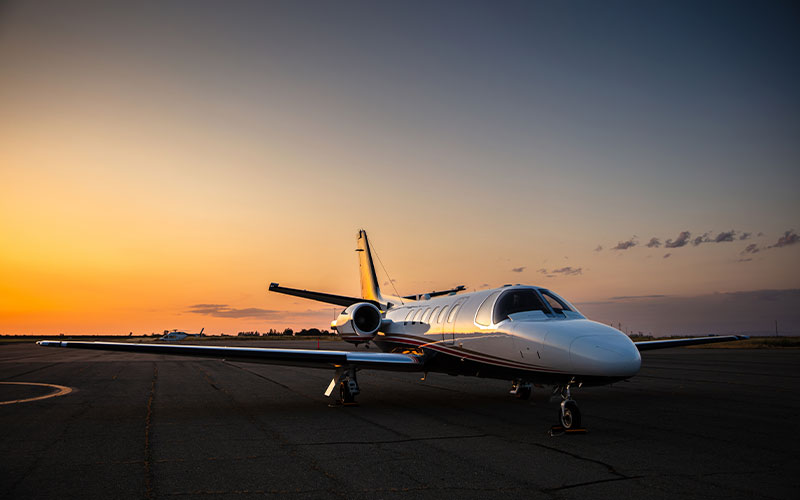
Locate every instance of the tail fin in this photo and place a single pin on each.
(369, 280)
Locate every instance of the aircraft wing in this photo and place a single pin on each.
(339, 300)
(292, 357)
(664, 344)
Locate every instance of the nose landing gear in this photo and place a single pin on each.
(569, 416)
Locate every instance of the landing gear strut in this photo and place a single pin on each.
(569, 416)
(521, 389)
(345, 377)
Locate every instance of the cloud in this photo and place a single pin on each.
(224, 311)
(599, 247)
(653, 243)
(745, 236)
(568, 271)
(633, 297)
(680, 241)
(745, 260)
(624, 245)
(725, 236)
(751, 248)
(518, 269)
(701, 239)
(788, 238)
(564, 271)
(667, 255)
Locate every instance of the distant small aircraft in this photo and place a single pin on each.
(526, 334)
(177, 335)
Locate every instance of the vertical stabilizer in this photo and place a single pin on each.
(369, 280)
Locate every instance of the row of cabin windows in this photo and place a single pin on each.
(434, 315)
(493, 312)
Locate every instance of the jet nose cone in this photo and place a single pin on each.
(605, 355)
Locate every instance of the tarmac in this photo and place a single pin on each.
(695, 423)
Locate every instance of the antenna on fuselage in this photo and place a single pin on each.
(391, 281)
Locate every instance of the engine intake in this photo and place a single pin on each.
(358, 323)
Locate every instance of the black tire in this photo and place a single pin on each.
(524, 393)
(571, 417)
(344, 393)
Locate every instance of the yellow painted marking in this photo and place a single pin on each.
(60, 390)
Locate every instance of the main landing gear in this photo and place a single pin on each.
(521, 389)
(345, 377)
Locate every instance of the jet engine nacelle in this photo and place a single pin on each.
(358, 323)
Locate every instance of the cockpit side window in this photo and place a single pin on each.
(558, 305)
(484, 314)
(514, 301)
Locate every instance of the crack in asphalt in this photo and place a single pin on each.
(84, 408)
(589, 483)
(32, 371)
(363, 490)
(291, 389)
(148, 451)
(611, 468)
(340, 491)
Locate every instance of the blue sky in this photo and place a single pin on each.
(246, 142)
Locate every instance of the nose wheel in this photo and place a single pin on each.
(569, 416)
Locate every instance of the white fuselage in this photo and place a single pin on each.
(541, 345)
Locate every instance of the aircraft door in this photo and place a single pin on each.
(449, 324)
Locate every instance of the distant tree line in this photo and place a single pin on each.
(311, 332)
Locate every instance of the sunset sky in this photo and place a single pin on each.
(162, 162)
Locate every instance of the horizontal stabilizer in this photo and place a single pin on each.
(339, 300)
(664, 344)
(459, 288)
(290, 357)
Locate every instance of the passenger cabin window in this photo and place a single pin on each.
(558, 305)
(484, 315)
(514, 301)
(442, 314)
(425, 315)
(433, 314)
(452, 316)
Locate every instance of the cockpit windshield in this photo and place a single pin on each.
(515, 301)
(559, 305)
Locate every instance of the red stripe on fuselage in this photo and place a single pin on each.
(487, 359)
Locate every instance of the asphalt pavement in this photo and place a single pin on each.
(695, 423)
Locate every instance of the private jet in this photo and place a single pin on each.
(526, 334)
